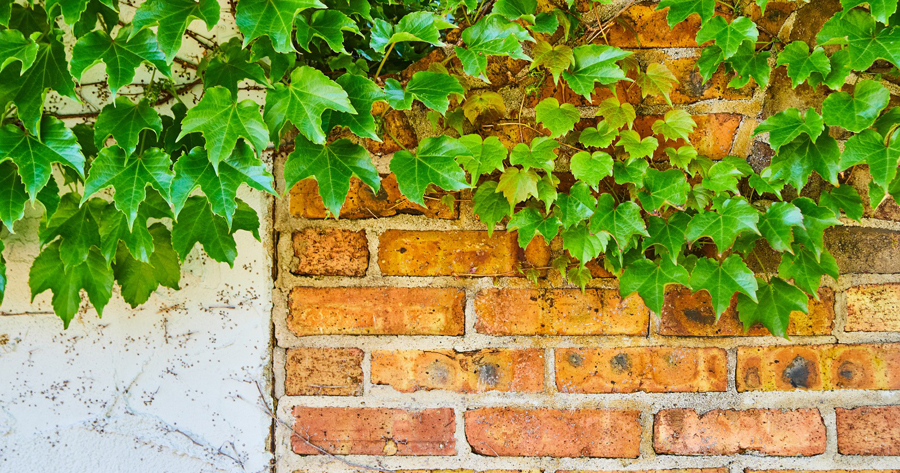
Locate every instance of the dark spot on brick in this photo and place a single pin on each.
(576, 360)
(847, 370)
(797, 372)
(488, 373)
(700, 316)
(438, 373)
(402, 250)
(621, 362)
(694, 86)
(751, 377)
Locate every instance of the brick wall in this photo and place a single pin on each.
(407, 340)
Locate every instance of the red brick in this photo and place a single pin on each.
(680, 470)
(376, 311)
(559, 312)
(363, 202)
(647, 28)
(798, 432)
(330, 252)
(869, 430)
(821, 471)
(691, 314)
(818, 367)
(648, 369)
(323, 372)
(508, 432)
(464, 372)
(374, 431)
(457, 253)
(873, 308)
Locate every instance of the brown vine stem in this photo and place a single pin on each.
(603, 28)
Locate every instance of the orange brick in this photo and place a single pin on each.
(687, 314)
(373, 431)
(873, 308)
(464, 372)
(376, 311)
(869, 430)
(508, 432)
(323, 372)
(363, 202)
(647, 369)
(818, 367)
(642, 26)
(680, 470)
(776, 432)
(463, 253)
(713, 136)
(821, 471)
(559, 312)
(331, 252)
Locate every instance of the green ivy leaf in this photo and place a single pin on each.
(555, 59)
(635, 146)
(728, 218)
(728, 36)
(667, 234)
(76, 226)
(194, 170)
(547, 192)
(784, 126)
(15, 47)
(362, 94)
(518, 185)
(484, 157)
(676, 124)
(806, 269)
(138, 279)
(867, 40)
(558, 119)
(129, 175)
(279, 63)
(529, 222)
(594, 63)
(840, 70)
(540, 155)
(490, 205)
(122, 55)
(680, 10)
(630, 172)
(576, 206)
(723, 176)
(843, 198)
(172, 17)
(333, 165)
(881, 9)
(591, 168)
(198, 224)
(816, 219)
(491, 36)
(12, 197)
(799, 158)
(650, 280)
(658, 80)
(600, 136)
(92, 273)
(484, 104)
(34, 157)
(433, 89)
(71, 10)
(222, 122)
(515, 9)
(777, 224)
(582, 244)
(616, 114)
(303, 102)
(868, 147)
(395, 96)
(433, 163)
(231, 66)
(329, 25)
(113, 226)
(723, 280)
(801, 64)
(776, 300)
(621, 221)
(859, 111)
(663, 188)
(682, 157)
(124, 121)
(272, 18)
(747, 64)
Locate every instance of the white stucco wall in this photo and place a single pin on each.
(173, 386)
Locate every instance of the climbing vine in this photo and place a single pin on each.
(125, 200)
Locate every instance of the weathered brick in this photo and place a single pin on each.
(864, 250)
(469, 471)
(323, 372)
(869, 430)
(373, 431)
(860, 177)
(820, 471)
(873, 308)
(691, 314)
(363, 202)
(798, 432)
(713, 136)
(679, 470)
(508, 432)
(376, 311)
(397, 125)
(818, 367)
(330, 252)
(559, 312)
(457, 253)
(464, 372)
(648, 369)
(642, 26)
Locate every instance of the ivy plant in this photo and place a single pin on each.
(125, 200)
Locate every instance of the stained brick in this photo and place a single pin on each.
(680, 470)
(465, 372)
(869, 430)
(691, 314)
(559, 312)
(374, 431)
(821, 471)
(818, 367)
(330, 252)
(508, 432)
(864, 250)
(642, 26)
(376, 311)
(648, 369)
(463, 253)
(362, 202)
(323, 372)
(873, 308)
(798, 432)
